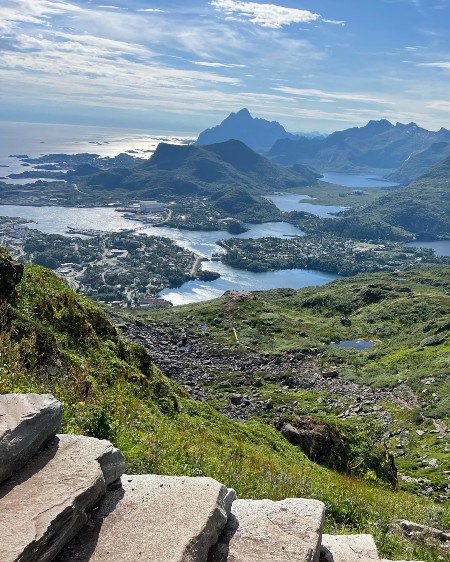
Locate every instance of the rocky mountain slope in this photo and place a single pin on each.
(53, 341)
(73, 487)
(378, 146)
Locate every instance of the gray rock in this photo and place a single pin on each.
(412, 529)
(348, 548)
(154, 518)
(268, 531)
(46, 503)
(11, 273)
(27, 421)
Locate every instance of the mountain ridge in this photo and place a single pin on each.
(260, 134)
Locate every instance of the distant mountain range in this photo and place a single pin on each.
(402, 152)
(378, 146)
(256, 133)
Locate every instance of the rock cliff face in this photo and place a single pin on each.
(71, 502)
(10, 275)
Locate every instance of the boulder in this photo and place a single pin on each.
(268, 531)
(348, 548)
(160, 518)
(319, 440)
(45, 504)
(10, 274)
(412, 529)
(27, 421)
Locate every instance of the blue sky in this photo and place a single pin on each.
(182, 65)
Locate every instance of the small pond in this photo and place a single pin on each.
(358, 344)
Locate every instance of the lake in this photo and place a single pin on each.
(357, 180)
(441, 247)
(294, 202)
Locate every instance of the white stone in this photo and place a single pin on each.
(348, 548)
(45, 504)
(154, 518)
(268, 531)
(27, 421)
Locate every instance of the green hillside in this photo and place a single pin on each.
(419, 210)
(419, 163)
(200, 170)
(53, 340)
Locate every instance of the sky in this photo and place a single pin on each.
(184, 65)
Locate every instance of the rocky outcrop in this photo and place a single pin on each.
(160, 518)
(348, 548)
(46, 503)
(268, 531)
(415, 530)
(69, 504)
(27, 421)
(10, 275)
(320, 441)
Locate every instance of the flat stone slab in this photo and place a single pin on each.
(154, 518)
(27, 421)
(45, 504)
(348, 548)
(268, 531)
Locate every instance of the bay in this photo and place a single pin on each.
(55, 220)
(294, 202)
(356, 180)
(441, 247)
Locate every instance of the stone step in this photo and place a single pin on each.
(348, 548)
(268, 531)
(44, 505)
(154, 518)
(27, 422)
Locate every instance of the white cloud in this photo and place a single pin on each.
(439, 105)
(334, 22)
(151, 10)
(265, 15)
(16, 12)
(218, 64)
(443, 64)
(325, 97)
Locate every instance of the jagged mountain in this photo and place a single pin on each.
(188, 170)
(378, 146)
(257, 133)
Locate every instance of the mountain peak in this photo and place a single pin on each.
(257, 133)
(244, 112)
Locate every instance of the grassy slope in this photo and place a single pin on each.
(55, 341)
(407, 313)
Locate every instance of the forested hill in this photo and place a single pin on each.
(202, 170)
(420, 209)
